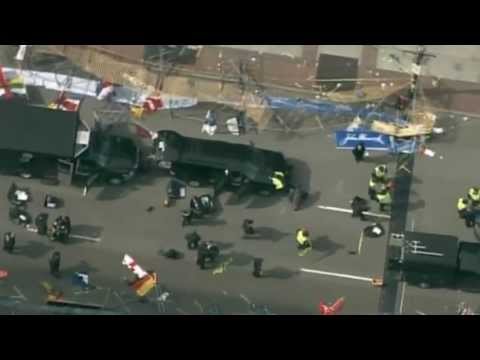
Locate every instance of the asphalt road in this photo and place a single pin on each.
(118, 215)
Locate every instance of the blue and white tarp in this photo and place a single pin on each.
(326, 108)
(373, 141)
(347, 140)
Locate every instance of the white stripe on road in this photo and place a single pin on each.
(349, 211)
(345, 276)
(402, 297)
(94, 239)
(360, 243)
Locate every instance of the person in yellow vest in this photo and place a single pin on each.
(464, 212)
(384, 199)
(303, 241)
(278, 180)
(380, 173)
(474, 196)
(374, 187)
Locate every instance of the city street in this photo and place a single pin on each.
(117, 214)
(112, 220)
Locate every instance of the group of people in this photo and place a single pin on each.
(61, 228)
(469, 206)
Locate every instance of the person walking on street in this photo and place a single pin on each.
(201, 259)
(187, 216)
(474, 196)
(54, 263)
(303, 241)
(257, 267)
(9, 242)
(193, 239)
(380, 173)
(359, 152)
(384, 199)
(248, 227)
(465, 213)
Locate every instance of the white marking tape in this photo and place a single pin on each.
(360, 243)
(345, 276)
(349, 211)
(86, 238)
(402, 298)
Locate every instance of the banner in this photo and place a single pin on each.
(347, 140)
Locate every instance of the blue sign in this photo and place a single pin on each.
(347, 140)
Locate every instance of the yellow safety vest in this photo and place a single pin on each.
(301, 238)
(384, 198)
(474, 195)
(460, 205)
(278, 183)
(379, 173)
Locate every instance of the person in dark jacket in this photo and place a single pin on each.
(54, 263)
(359, 206)
(247, 227)
(359, 152)
(193, 239)
(257, 267)
(9, 242)
(187, 216)
(41, 222)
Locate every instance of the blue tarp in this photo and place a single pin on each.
(319, 106)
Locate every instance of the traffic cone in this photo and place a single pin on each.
(333, 309)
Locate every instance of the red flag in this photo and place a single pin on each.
(4, 85)
(333, 309)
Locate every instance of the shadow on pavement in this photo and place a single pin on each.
(141, 180)
(33, 249)
(266, 233)
(82, 266)
(379, 159)
(280, 273)
(262, 202)
(208, 222)
(238, 258)
(312, 200)
(90, 231)
(301, 174)
(419, 204)
(224, 245)
(326, 246)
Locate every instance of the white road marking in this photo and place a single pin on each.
(360, 243)
(94, 239)
(419, 312)
(349, 211)
(19, 293)
(122, 302)
(402, 298)
(345, 276)
(181, 311)
(247, 300)
(196, 302)
(413, 224)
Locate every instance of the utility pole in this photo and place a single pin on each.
(420, 55)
